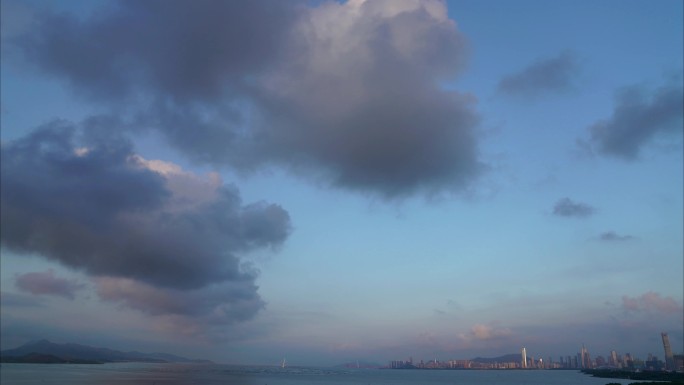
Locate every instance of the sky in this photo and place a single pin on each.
(331, 181)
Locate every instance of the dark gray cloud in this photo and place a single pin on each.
(88, 202)
(184, 51)
(565, 207)
(638, 117)
(44, 177)
(207, 306)
(541, 77)
(363, 101)
(344, 92)
(46, 283)
(611, 236)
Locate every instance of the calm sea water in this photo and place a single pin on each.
(174, 374)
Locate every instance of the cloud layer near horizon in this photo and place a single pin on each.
(347, 93)
(88, 202)
(651, 302)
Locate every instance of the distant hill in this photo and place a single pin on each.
(504, 358)
(33, 351)
(37, 358)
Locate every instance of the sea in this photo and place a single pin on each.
(199, 374)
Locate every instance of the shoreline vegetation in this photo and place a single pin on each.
(655, 377)
(46, 352)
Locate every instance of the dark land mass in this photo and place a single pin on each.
(37, 358)
(671, 377)
(49, 351)
(651, 383)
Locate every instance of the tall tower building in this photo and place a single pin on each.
(585, 358)
(523, 357)
(669, 358)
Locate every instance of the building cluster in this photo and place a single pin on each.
(452, 364)
(581, 360)
(614, 360)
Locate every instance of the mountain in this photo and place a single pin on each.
(71, 352)
(504, 358)
(37, 358)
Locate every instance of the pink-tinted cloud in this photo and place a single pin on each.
(651, 302)
(485, 332)
(47, 283)
(190, 312)
(172, 248)
(482, 332)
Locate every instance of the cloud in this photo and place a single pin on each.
(485, 332)
(90, 203)
(651, 302)
(567, 208)
(213, 306)
(364, 103)
(610, 236)
(19, 300)
(344, 92)
(47, 283)
(491, 335)
(542, 77)
(15, 19)
(638, 117)
(187, 52)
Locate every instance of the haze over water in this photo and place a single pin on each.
(170, 374)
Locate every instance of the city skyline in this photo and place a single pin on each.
(581, 360)
(332, 181)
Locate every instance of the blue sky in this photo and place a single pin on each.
(431, 179)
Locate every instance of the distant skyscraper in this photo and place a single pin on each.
(627, 361)
(669, 358)
(585, 358)
(523, 353)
